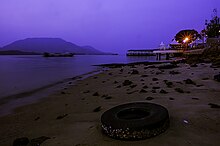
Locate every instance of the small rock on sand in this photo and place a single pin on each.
(179, 90)
(200, 85)
(37, 118)
(189, 81)
(167, 66)
(145, 87)
(155, 87)
(134, 72)
(150, 66)
(97, 109)
(205, 78)
(193, 65)
(153, 91)
(63, 92)
(212, 105)
(38, 141)
(163, 91)
(217, 77)
(169, 84)
(119, 86)
(115, 82)
(96, 94)
(195, 98)
(133, 86)
(179, 82)
(87, 91)
(173, 72)
(108, 97)
(149, 98)
(21, 141)
(61, 116)
(105, 95)
(143, 91)
(132, 92)
(157, 73)
(154, 79)
(127, 82)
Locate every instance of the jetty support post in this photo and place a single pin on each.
(158, 56)
(167, 56)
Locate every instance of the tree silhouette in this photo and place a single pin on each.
(186, 36)
(213, 28)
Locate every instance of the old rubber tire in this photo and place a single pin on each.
(135, 121)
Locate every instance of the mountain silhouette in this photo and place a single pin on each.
(51, 45)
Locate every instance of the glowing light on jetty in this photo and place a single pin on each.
(186, 40)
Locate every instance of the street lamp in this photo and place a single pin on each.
(185, 42)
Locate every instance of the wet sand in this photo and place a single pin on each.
(69, 118)
(8, 103)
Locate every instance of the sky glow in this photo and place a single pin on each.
(108, 25)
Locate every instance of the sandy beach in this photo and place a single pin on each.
(71, 117)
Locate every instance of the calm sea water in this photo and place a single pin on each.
(24, 73)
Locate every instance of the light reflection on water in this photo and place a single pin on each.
(23, 73)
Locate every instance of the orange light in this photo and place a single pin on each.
(186, 40)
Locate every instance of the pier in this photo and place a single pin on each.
(158, 53)
(154, 52)
(141, 52)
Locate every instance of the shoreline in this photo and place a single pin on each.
(71, 118)
(30, 97)
(11, 102)
(118, 65)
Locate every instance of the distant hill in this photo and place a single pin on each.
(51, 45)
(16, 52)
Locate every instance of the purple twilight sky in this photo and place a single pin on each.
(108, 25)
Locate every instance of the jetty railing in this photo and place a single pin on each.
(159, 52)
(141, 52)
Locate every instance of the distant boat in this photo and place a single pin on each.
(46, 54)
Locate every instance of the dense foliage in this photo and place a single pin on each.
(213, 28)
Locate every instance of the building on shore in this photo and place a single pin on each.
(175, 45)
(162, 46)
